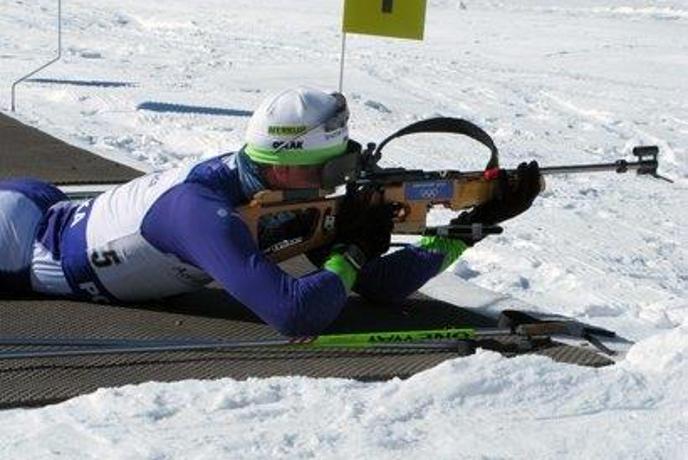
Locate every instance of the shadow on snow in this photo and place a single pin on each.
(201, 110)
(96, 83)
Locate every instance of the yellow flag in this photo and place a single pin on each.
(389, 18)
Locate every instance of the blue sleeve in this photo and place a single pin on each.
(199, 226)
(396, 276)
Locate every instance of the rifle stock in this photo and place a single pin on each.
(270, 202)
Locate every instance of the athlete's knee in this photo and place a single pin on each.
(23, 205)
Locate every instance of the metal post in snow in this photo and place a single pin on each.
(57, 58)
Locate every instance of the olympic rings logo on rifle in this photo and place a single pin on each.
(429, 194)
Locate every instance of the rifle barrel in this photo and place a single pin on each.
(620, 166)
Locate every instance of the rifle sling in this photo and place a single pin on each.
(450, 126)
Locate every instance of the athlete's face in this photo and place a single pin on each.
(291, 177)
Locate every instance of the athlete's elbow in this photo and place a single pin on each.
(302, 317)
(294, 326)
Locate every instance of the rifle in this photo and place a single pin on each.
(414, 192)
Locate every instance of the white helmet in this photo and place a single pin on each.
(298, 127)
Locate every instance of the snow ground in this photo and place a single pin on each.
(551, 81)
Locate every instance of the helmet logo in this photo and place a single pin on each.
(286, 130)
(291, 145)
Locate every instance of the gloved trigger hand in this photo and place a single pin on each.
(368, 227)
(512, 197)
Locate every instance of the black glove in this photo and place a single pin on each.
(368, 228)
(511, 200)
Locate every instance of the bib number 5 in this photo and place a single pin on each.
(103, 259)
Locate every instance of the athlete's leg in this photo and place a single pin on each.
(23, 202)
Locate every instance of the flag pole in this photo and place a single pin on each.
(52, 61)
(341, 63)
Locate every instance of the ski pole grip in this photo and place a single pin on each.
(542, 329)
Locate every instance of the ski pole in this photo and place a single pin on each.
(402, 341)
(110, 342)
(274, 345)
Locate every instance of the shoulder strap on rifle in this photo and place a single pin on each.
(450, 126)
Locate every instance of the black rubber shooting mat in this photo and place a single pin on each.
(28, 152)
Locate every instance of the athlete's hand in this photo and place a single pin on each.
(513, 198)
(367, 227)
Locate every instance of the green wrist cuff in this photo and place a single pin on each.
(341, 267)
(451, 248)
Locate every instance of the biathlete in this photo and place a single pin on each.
(173, 232)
